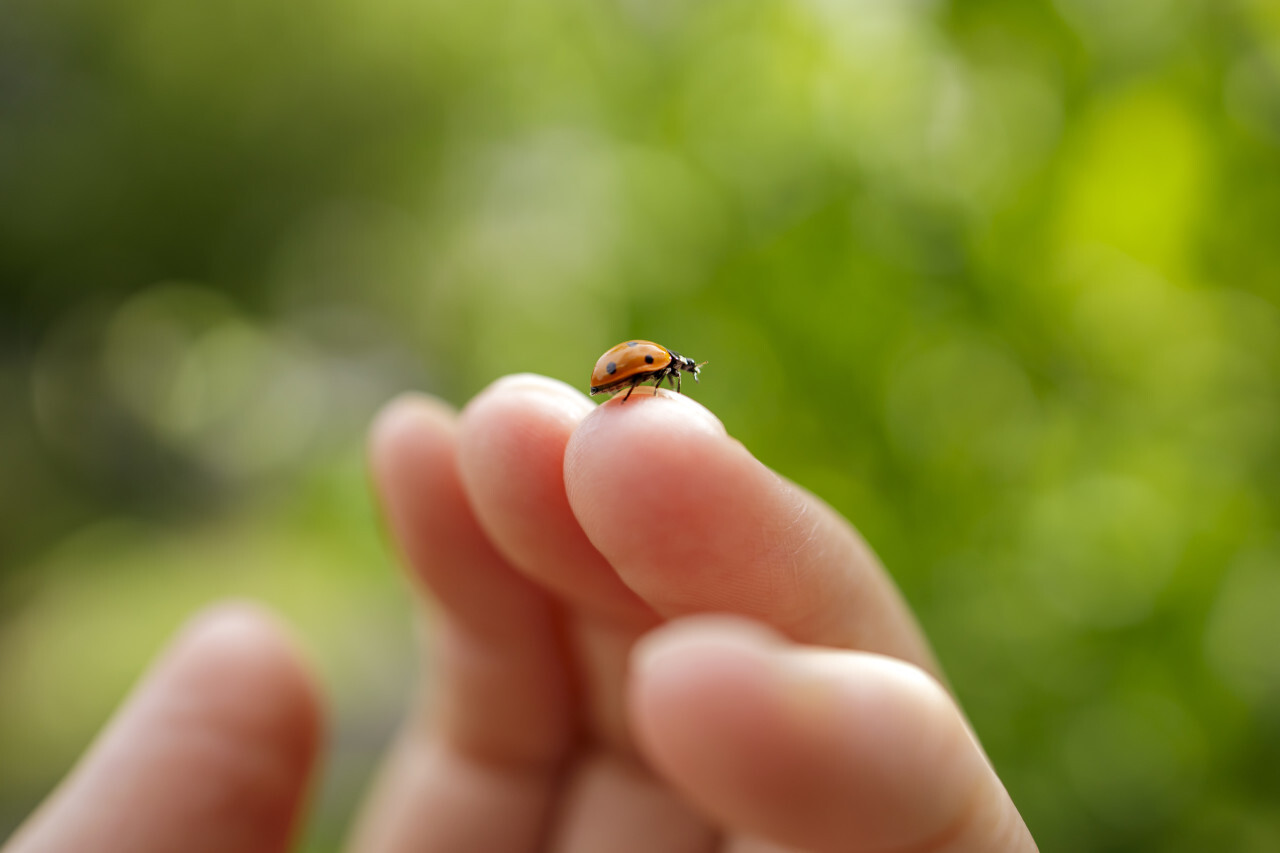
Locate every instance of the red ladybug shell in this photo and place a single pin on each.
(622, 363)
(635, 362)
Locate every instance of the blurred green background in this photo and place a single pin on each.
(998, 279)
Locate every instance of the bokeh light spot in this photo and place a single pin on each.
(1102, 547)
(1243, 633)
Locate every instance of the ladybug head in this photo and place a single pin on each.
(688, 365)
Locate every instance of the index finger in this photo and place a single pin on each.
(693, 522)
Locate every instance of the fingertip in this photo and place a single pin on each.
(511, 458)
(814, 748)
(694, 641)
(690, 670)
(689, 519)
(408, 406)
(213, 750)
(542, 390)
(694, 523)
(411, 440)
(233, 623)
(237, 676)
(403, 417)
(246, 643)
(523, 414)
(662, 407)
(650, 443)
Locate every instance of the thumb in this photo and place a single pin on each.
(812, 748)
(212, 752)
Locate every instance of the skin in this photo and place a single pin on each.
(640, 639)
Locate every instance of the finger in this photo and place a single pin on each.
(815, 749)
(212, 752)
(692, 522)
(511, 454)
(614, 803)
(511, 457)
(511, 443)
(754, 844)
(479, 758)
(499, 632)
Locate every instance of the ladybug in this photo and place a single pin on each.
(636, 362)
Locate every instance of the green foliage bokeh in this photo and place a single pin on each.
(1000, 280)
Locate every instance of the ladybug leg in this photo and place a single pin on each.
(629, 390)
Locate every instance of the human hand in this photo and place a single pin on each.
(577, 699)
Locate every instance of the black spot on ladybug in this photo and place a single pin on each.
(648, 359)
(632, 343)
(611, 368)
